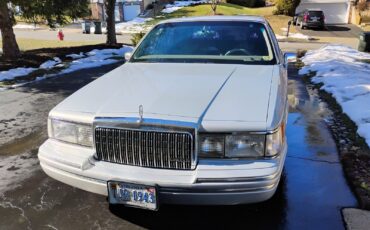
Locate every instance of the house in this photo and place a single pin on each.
(125, 10)
(336, 11)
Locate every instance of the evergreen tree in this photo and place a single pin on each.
(52, 11)
(286, 7)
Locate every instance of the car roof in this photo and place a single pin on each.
(246, 18)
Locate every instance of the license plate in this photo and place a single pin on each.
(135, 195)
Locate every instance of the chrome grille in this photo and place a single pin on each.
(167, 150)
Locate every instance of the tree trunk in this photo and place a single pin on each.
(10, 46)
(111, 27)
(214, 4)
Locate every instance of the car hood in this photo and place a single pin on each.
(201, 93)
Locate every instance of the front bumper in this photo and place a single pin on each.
(211, 183)
(314, 24)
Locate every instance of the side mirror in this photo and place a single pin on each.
(128, 56)
(289, 57)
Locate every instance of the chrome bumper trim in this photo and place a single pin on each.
(213, 190)
(237, 179)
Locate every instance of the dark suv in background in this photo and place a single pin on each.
(310, 18)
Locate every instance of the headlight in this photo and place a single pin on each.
(71, 132)
(242, 145)
(245, 146)
(211, 146)
(231, 146)
(275, 141)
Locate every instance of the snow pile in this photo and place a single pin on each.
(12, 73)
(136, 25)
(97, 58)
(51, 63)
(300, 36)
(292, 35)
(21, 71)
(345, 73)
(94, 58)
(170, 8)
(76, 56)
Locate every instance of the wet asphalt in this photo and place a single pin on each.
(311, 194)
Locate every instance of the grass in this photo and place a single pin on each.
(276, 21)
(31, 44)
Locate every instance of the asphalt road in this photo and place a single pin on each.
(310, 196)
(73, 35)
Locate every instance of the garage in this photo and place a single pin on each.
(130, 11)
(336, 11)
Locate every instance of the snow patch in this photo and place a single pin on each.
(97, 58)
(170, 8)
(94, 58)
(136, 25)
(51, 63)
(17, 72)
(76, 56)
(292, 35)
(26, 26)
(345, 73)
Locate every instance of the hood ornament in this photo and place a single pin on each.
(141, 113)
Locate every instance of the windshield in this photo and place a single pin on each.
(207, 42)
(315, 13)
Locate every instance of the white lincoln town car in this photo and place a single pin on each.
(196, 115)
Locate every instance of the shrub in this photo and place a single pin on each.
(286, 7)
(136, 38)
(248, 3)
(362, 6)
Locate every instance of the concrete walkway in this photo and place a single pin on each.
(356, 219)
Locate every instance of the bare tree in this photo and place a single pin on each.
(214, 4)
(10, 46)
(111, 24)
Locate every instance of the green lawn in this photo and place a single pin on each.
(276, 21)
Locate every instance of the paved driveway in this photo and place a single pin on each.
(310, 196)
(342, 31)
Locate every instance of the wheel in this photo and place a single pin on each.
(294, 21)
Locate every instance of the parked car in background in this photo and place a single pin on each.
(310, 18)
(197, 115)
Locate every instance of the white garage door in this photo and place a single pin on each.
(130, 11)
(334, 12)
